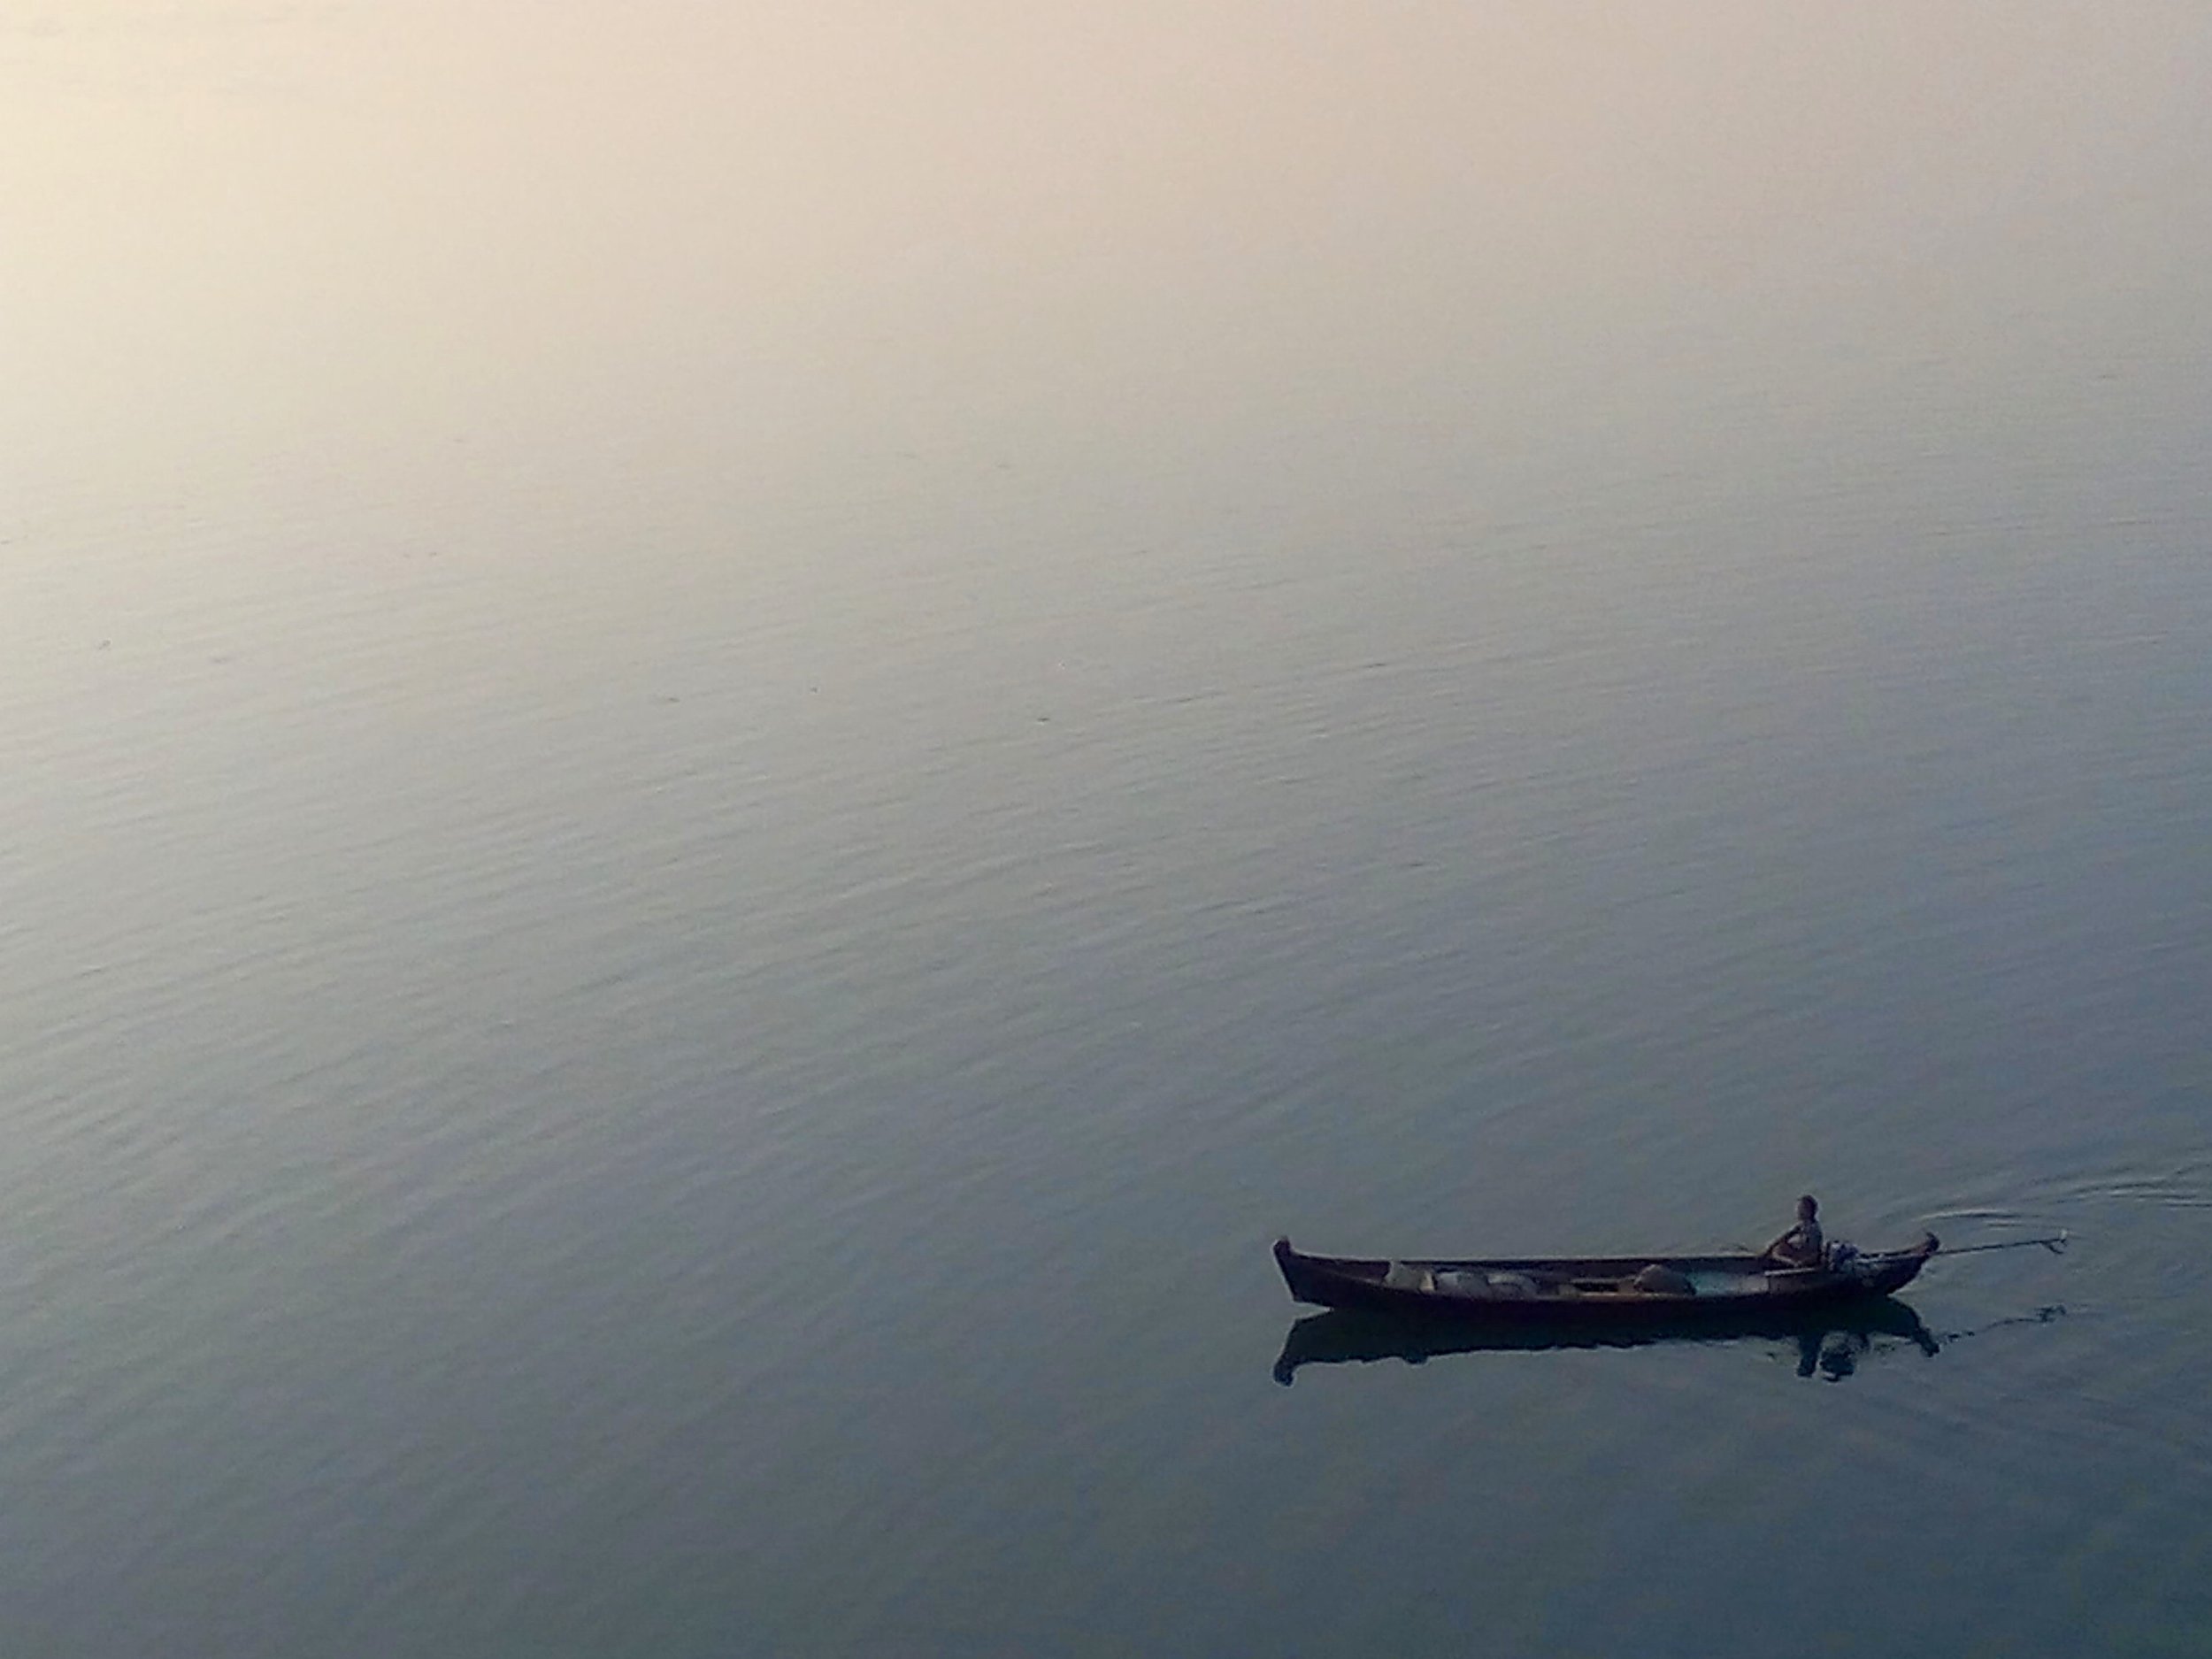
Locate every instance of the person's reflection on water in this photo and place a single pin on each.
(1834, 1353)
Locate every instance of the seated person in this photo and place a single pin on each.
(1801, 1246)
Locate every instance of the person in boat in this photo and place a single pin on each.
(1801, 1246)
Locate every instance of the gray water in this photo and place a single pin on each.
(739, 738)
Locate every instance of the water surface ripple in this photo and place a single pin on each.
(739, 743)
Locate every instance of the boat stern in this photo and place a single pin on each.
(1903, 1266)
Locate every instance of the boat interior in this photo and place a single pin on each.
(1578, 1282)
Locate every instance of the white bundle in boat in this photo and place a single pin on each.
(1467, 1282)
(1406, 1276)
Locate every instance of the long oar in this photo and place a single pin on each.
(2056, 1246)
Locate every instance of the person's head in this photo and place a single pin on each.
(1807, 1208)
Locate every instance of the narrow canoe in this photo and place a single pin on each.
(1626, 1288)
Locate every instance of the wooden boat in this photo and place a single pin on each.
(1626, 1289)
(1819, 1328)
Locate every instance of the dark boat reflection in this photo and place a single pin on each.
(1831, 1341)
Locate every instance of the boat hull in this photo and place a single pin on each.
(1589, 1288)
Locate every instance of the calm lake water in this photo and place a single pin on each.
(738, 738)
